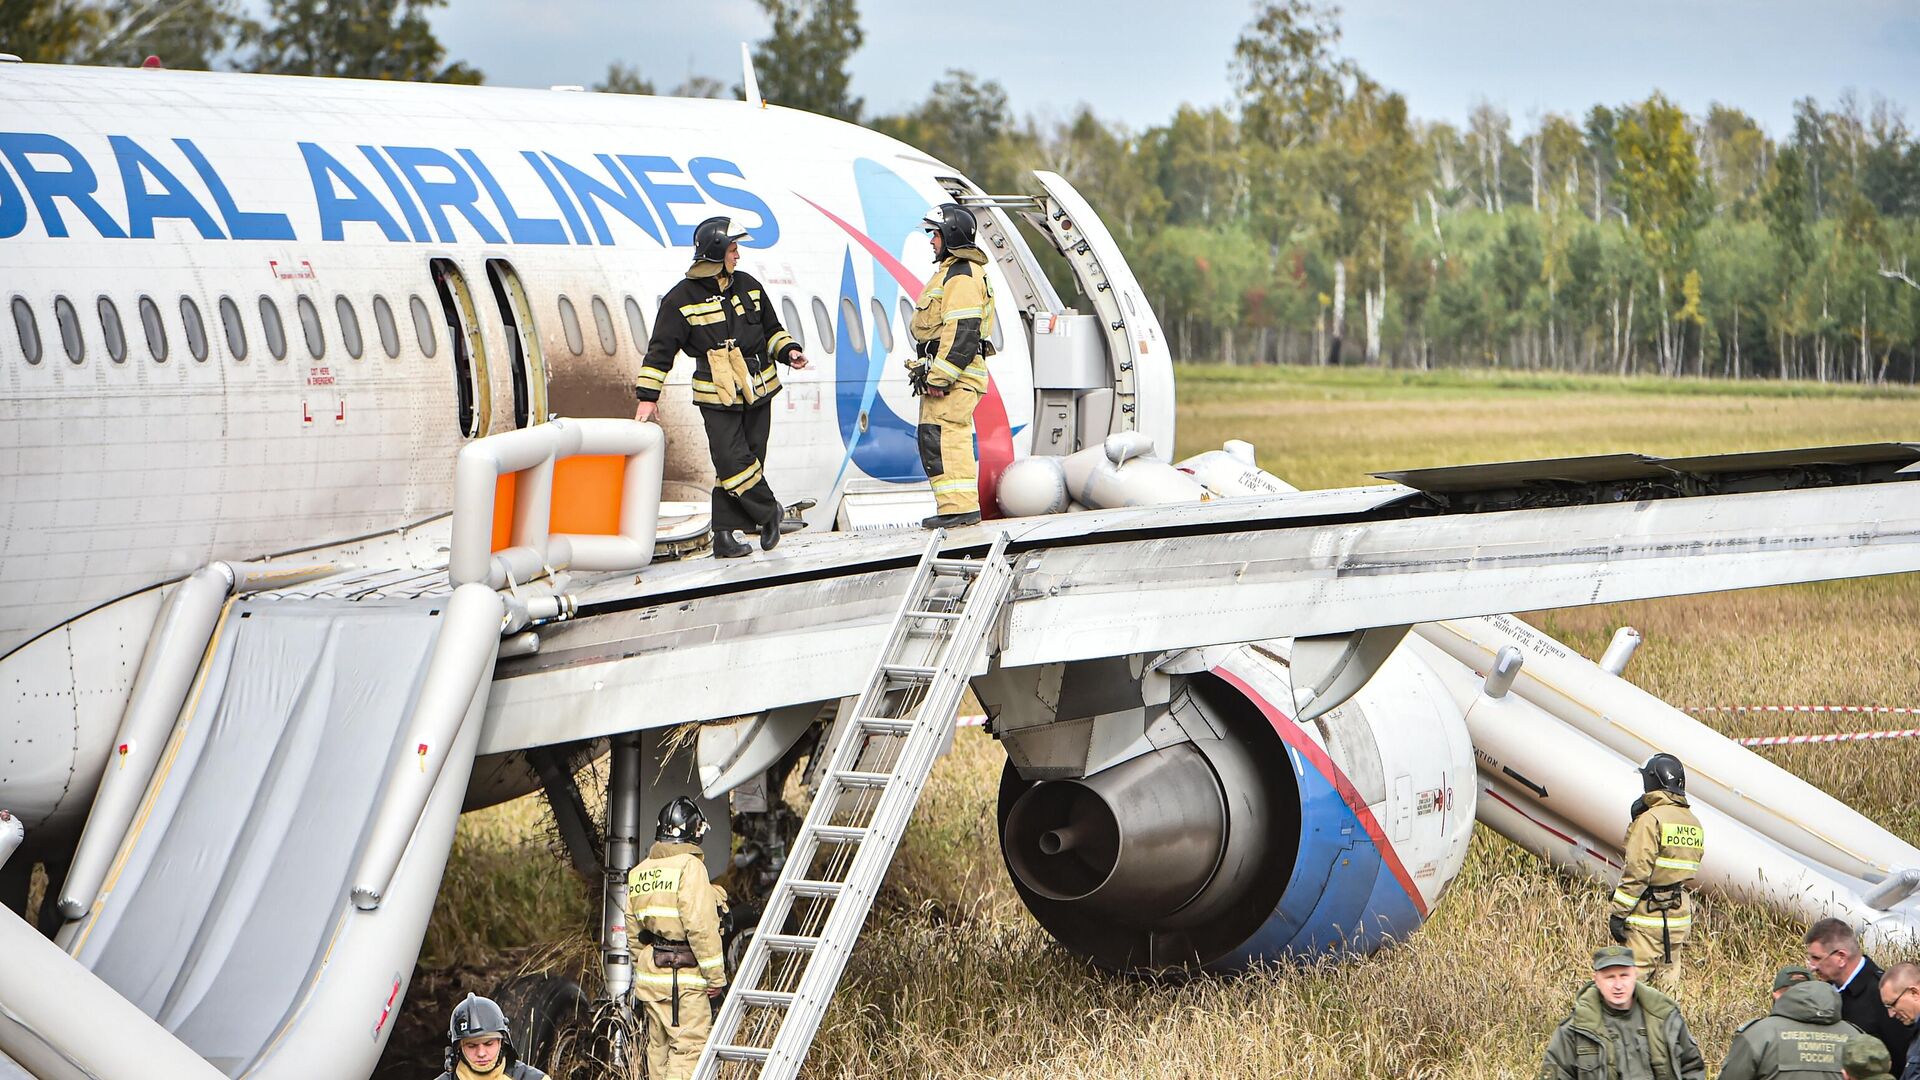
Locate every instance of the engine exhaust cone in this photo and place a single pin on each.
(1136, 841)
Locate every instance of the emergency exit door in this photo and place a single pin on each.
(468, 347)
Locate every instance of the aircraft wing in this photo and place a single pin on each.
(701, 639)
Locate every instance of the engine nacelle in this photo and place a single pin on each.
(1226, 833)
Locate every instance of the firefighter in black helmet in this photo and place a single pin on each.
(1652, 912)
(949, 370)
(723, 318)
(478, 1045)
(681, 964)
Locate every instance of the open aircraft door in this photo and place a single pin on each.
(1095, 373)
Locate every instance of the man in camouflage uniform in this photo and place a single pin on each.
(1866, 1058)
(681, 963)
(1802, 1038)
(1622, 1029)
(1652, 912)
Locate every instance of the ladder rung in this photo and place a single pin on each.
(949, 615)
(885, 725)
(956, 566)
(788, 943)
(765, 999)
(852, 779)
(910, 671)
(841, 834)
(825, 890)
(733, 1052)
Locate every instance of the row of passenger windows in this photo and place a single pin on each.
(273, 333)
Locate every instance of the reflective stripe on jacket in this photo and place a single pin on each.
(671, 897)
(951, 320)
(1664, 847)
(732, 334)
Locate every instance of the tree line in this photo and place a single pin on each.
(1313, 218)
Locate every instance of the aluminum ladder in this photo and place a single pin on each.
(882, 753)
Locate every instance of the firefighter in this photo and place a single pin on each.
(681, 964)
(1652, 911)
(949, 370)
(478, 1046)
(722, 317)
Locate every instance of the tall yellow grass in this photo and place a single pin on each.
(953, 979)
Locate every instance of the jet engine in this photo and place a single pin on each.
(1172, 815)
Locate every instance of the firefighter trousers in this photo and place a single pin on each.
(674, 1049)
(737, 442)
(947, 449)
(1658, 968)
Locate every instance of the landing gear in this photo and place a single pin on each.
(546, 1014)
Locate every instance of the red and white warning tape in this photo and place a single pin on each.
(1840, 736)
(974, 720)
(1889, 710)
(1831, 737)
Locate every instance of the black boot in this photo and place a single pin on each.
(770, 534)
(728, 546)
(951, 521)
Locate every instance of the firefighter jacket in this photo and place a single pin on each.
(727, 324)
(951, 320)
(673, 903)
(1591, 1043)
(1664, 846)
(1803, 1037)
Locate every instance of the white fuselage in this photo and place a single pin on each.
(155, 226)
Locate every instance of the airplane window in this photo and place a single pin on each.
(115, 335)
(570, 322)
(236, 332)
(850, 321)
(603, 322)
(28, 328)
(790, 315)
(196, 329)
(824, 323)
(906, 316)
(636, 324)
(349, 325)
(310, 326)
(275, 330)
(389, 330)
(883, 324)
(423, 328)
(156, 330)
(69, 321)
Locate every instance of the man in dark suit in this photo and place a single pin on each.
(1833, 952)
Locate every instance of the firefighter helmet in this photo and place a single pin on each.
(1663, 772)
(681, 822)
(954, 223)
(477, 1017)
(712, 237)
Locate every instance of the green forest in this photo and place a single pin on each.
(1311, 218)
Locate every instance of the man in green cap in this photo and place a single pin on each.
(1866, 1058)
(1802, 1038)
(1621, 1029)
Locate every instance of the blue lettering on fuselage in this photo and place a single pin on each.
(430, 194)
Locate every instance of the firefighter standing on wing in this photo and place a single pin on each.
(681, 963)
(949, 371)
(1652, 912)
(721, 316)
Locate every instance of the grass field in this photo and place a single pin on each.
(953, 979)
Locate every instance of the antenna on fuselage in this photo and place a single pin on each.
(749, 83)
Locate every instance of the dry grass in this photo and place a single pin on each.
(953, 979)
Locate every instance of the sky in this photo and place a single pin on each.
(1136, 61)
